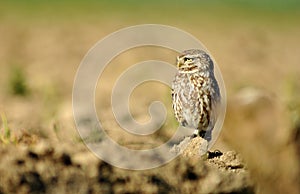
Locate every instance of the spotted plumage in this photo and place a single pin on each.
(195, 92)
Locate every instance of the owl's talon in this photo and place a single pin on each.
(193, 136)
(202, 134)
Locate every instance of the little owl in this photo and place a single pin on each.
(195, 92)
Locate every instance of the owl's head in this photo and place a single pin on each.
(194, 60)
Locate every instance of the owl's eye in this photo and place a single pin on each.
(187, 59)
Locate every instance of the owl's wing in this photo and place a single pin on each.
(215, 105)
(176, 102)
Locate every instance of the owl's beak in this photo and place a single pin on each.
(180, 62)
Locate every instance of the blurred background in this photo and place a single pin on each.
(255, 43)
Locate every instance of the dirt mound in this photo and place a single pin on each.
(48, 167)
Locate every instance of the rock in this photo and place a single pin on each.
(220, 173)
(228, 160)
(191, 147)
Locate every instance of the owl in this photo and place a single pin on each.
(195, 92)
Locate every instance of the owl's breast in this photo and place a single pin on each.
(193, 95)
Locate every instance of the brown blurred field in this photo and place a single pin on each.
(256, 48)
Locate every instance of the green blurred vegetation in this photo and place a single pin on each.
(17, 82)
(133, 8)
(292, 92)
(6, 136)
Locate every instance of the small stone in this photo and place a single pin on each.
(196, 147)
(232, 160)
(42, 148)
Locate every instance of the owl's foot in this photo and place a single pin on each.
(195, 133)
(205, 134)
(202, 133)
(193, 136)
